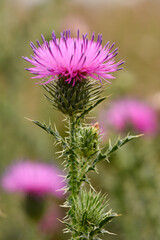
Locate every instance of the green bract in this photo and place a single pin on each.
(70, 99)
(88, 215)
(87, 139)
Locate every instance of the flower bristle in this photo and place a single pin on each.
(74, 59)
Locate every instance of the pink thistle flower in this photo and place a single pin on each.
(73, 59)
(130, 113)
(33, 178)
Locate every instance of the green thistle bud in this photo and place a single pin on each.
(87, 140)
(72, 99)
(89, 214)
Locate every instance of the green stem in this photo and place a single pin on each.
(74, 185)
(73, 171)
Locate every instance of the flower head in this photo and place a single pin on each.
(33, 178)
(73, 59)
(130, 113)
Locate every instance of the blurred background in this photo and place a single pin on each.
(132, 179)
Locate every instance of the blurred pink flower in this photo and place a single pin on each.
(127, 114)
(73, 59)
(33, 178)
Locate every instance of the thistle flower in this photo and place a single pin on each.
(33, 178)
(73, 59)
(127, 114)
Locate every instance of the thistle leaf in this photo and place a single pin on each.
(120, 143)
(49, 130)
(107, 219)
(102, 223)
(89, 109)
(99, 158)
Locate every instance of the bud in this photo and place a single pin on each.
(71, 99)
(89, 212)
(87, 140)
(96, 127)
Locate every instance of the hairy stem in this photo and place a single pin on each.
(74, 185)
(73, 171)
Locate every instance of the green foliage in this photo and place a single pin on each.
(87, 214)
(120, 143)
(87, 210)
(49, 130)
(86, 111)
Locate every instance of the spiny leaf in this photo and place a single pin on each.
(99, 158)
(89, 109)
(49, 130)
(120, 143)
(102, 223)
(107, 219)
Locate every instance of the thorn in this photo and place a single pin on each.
(31, 120)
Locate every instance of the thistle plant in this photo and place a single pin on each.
(72, 72)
